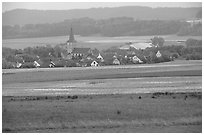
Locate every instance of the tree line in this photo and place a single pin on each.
(121, 26)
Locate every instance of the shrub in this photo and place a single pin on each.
(28, 65)
(175, 55)
(193, 42)
(7, 65)
(196, 56)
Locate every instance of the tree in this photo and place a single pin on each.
(199, 14)
(158, 41)
(193, 42)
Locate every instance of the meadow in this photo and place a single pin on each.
(165, 97)
(175, 68)
(156, 112)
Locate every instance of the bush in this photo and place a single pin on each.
(196, 56)
(28, 65)
(193, 42)
(175, 55)
(60, 63)
(71, 63)
(7, 65)
(164, 58)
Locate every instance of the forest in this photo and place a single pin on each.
(120, 26)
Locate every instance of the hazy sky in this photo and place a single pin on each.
(83, 5)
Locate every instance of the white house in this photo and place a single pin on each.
(94, 64)
(194, 22)
(116, 62)
(18, 65)
(158, 54)
(52, 64)
(100, 57)
(36, 64)
(135, 59)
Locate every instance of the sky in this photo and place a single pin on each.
(6, 6)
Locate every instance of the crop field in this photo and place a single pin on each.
(165, 97)
(100, 43)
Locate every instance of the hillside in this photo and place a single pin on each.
(24, 16)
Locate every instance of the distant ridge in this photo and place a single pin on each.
(25, 16)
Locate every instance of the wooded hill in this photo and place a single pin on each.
(24, 16)
(122, 26)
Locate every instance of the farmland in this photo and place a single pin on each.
(163, 97)
(92, 42)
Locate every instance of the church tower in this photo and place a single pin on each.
(71, 42)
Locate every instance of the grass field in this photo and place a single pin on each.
(106, 113)
(165, 97)
(175, 68)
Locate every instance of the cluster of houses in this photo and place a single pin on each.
(87, 57)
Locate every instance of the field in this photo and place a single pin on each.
(92, 42)
(165, 97)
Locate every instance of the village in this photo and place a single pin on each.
(69, 55)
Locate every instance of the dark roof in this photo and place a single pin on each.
(95, 52)
(81, 50)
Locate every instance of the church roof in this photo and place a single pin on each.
(81, 50)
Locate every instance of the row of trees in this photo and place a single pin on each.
(193, 30)
(123, 26)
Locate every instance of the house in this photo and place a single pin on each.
(194, 21)
(81, 52)
(36, 64)
(94, 64)
(135, 59)
(100, 57)
(52, 64)
(158, 54)
(18, 65)
(116, 61)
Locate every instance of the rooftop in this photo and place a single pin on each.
(81, 50)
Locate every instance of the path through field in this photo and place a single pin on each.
(106, 86)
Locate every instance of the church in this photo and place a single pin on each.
(73, 50)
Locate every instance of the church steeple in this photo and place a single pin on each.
(71, 37)
(70, 45)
